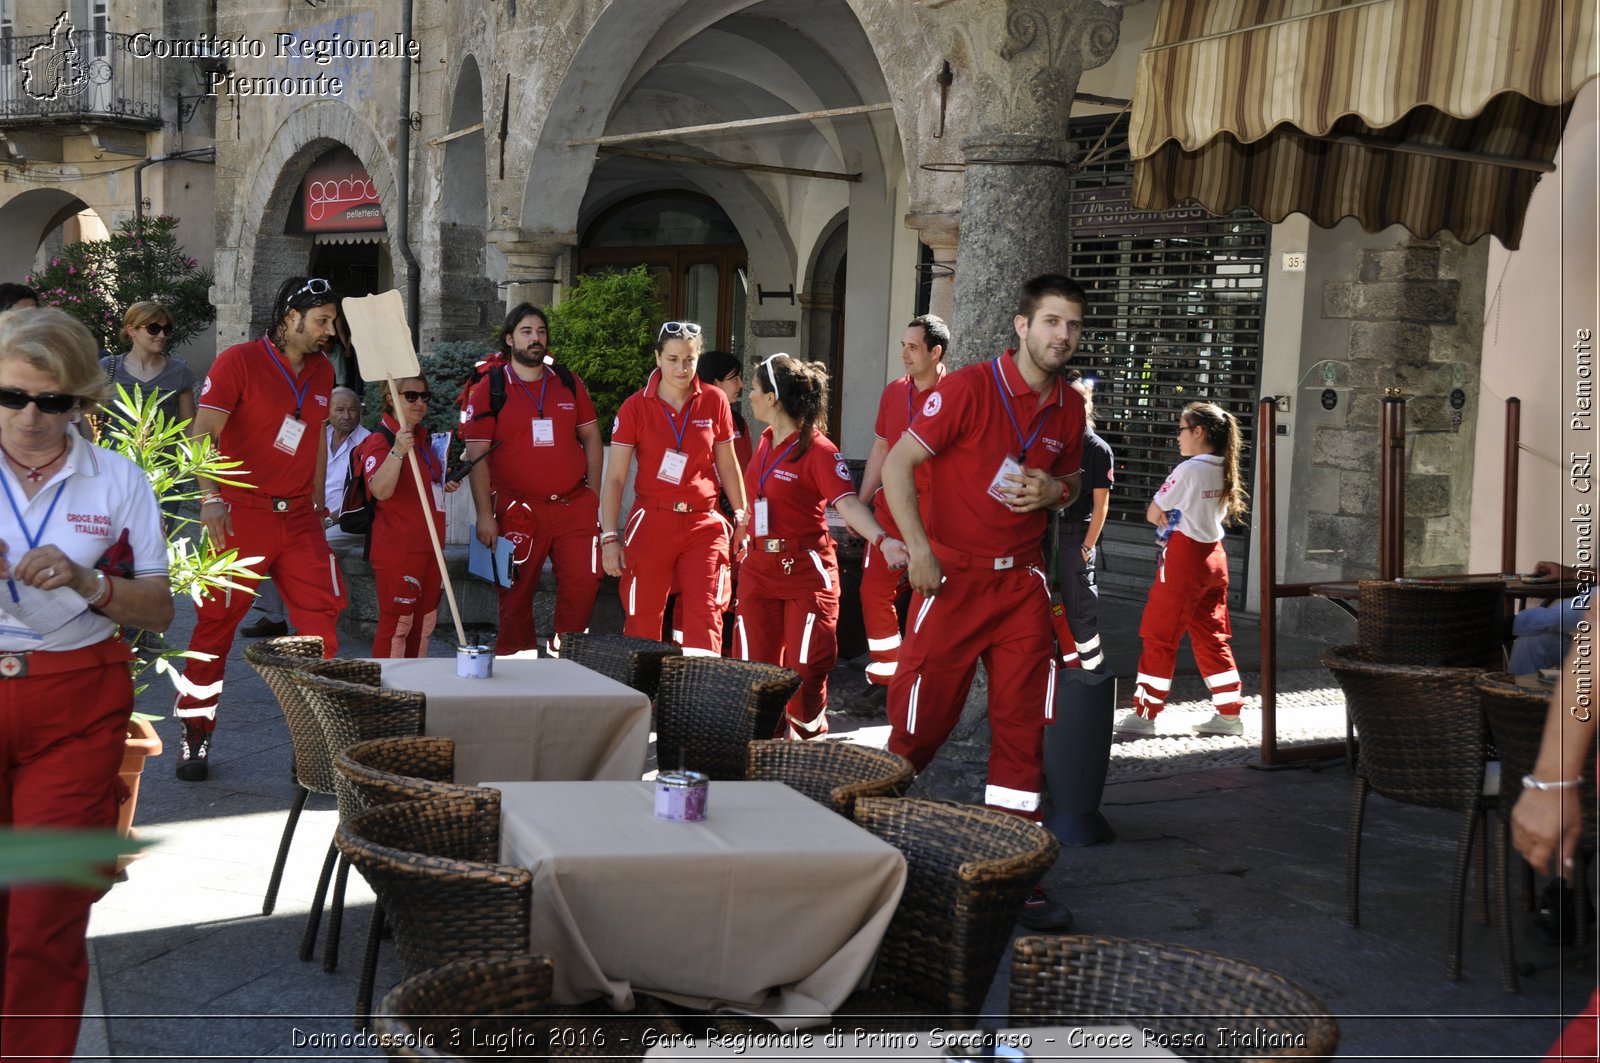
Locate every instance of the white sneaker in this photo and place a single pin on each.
(1134, 724)
(1220, 725)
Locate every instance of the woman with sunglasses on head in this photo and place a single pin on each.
(788, 611)
(404, 571)
(80, 524)
(147, 365)
(681, 433)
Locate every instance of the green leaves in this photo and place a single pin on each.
(604, 330)
(75, 857)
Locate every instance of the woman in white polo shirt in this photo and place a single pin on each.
(65, 687)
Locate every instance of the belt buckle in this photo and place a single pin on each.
(680, 507)
(280, 505)
(1003, 563)
(13, 665)
(772, 546)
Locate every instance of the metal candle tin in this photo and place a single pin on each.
(681, 796)
(474, 662)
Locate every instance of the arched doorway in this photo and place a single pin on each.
(690, 247)
(37, 223)
(467, 300)
(337, 205)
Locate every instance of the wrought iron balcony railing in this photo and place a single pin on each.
(81, 74)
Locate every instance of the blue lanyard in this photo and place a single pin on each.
(1005, 399)
(761, 481)
(543, 387)
(425, 445)
(688, 408)
(33, 537)
(299, 392)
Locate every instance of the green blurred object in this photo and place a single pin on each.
(74, 857)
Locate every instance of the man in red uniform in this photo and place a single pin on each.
(538, 487)
(922, 352)
(1002, 441)
(263, 404)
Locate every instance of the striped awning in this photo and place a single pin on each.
(1433, 114)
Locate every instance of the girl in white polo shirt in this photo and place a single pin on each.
(1191, 588)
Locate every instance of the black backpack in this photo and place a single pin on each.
(497, 385)
(358, 507)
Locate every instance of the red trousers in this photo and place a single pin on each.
(663, 546)
(880, 586)
(567, 532)
(1002, 618)
(61, 739)
(1190, 594)
(295, 554)
(799, 632)
(408, 588)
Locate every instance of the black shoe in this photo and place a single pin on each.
(1039, 912)
(194, 748)
(265, 628)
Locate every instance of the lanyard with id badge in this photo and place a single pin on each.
(760, 527)
(673, 462)
(1010, 467)
(544, 428)
(293, 428)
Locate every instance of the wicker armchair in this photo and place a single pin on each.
(434, 867)
(275, 659)
(632, 662)
(831, 773)
(1173, 990)
(968, 870)
(1423, 742)
(708, 709)
(351, 707)
(1447, 624)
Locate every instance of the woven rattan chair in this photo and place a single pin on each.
(434, 867)
(1423, 742)
(1445, 624)
(1173, 990)
(632, 662)
(968, 870)
(1516, 716)
(351, 708)
(831, 773)
(275, 659)
(709, 709)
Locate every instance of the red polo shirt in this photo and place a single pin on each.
(397, 527)
(797, 492)
(253, 384)
(966, 428)
(649, 424)
(521, 467)
(900, 407)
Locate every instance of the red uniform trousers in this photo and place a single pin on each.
(568, 532)
(880, 587)
(1190, 594)
(796, 629)
(61, 741)
(664, 546)
(294, 552)
(408, 587)
(1003, 618)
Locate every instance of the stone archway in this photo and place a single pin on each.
(466, 301)
(29, 219)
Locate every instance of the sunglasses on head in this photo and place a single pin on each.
(312, 286)
(417, 396)
(678, 328)
(48, 402)
(159, 330)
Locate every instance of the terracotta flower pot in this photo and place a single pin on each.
(142, 742)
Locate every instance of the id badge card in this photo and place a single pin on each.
(760, 518)
(544, 432)
(1001, 485)
(290, 434)
(673, 463)
(438, 495)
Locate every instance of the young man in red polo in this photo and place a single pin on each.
(1002, 441)
(263, 405)
(922, 351)
(538, 487)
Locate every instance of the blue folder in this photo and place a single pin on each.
(491, 567)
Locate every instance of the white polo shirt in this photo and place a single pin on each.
(82, 509)
(1195, 489)
(339, 466)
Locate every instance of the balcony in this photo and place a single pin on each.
(83, 79)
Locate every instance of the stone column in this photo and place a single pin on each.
(532, 266)
(941, 234)
(1029, 55)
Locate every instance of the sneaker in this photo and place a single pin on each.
(1220, 725)
(264, 629)
(193, 750)
(1039, 912)
(1135, 724)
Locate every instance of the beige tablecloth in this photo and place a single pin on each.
(866, 1042)
(533, 719)
(771, 892)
